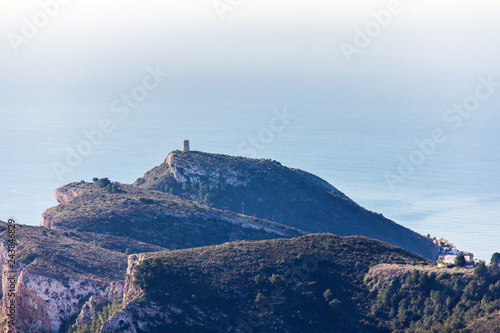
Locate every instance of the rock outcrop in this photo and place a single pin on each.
(54, 276)
(46, 302)
(66, 194)
(91, 309)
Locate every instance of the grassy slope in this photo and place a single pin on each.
(74, 254)
(157, 218)
(487, 324)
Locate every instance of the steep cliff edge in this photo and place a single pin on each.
(63, 195)
(66, 194)
(269, 190)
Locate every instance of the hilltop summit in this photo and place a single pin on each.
(266, 189)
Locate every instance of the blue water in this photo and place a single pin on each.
(453, 194)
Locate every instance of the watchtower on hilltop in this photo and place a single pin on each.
(185, 146)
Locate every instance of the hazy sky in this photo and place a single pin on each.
(261, 50)
(373, 69)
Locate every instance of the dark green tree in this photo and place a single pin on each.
(103, 182)
(460, 260)
(480, 270)
(495, 263)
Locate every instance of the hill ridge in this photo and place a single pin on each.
(266, 189)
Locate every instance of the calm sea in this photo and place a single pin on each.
(451, 190)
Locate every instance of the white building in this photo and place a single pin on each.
(468, 256)
(448, 258)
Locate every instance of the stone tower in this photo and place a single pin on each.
(185, 146)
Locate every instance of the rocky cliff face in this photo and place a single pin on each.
(66, 194)
(50, 287)
(46, 220)
(130, 290)
(133, 316)
(183, 171)
(63, 195)
(91, 309)
(43, 303)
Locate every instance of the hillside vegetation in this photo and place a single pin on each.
(315, 283)
(154, 217)
(74, 254)
(312, 283)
